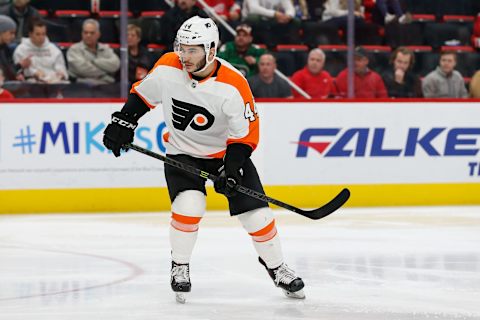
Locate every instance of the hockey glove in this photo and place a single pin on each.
(231, 172)
(119, 132)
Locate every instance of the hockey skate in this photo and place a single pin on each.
(285, 278)
(180, 280)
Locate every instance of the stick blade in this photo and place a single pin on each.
(328, 208)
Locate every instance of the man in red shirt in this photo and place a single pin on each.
(368, 83)
(312, 78)
(4, 93)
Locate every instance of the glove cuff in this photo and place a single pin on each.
(236, 155)
(124, 120)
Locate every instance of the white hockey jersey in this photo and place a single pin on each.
(202, 117)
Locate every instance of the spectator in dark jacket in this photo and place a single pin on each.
(400, 80)
(139, 61)
(10, 70)
(22, 12)
(173, 19)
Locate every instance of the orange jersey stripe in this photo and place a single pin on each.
(185, 219)
(229, 76)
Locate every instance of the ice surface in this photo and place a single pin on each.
(409, 263)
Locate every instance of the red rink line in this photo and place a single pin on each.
(135, 272)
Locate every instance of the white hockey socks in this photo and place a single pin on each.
(188, 209)
(260, 224)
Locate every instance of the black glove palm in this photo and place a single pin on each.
(119, 132)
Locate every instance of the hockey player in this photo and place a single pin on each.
(212, 124)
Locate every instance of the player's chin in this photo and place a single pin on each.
(189, 67)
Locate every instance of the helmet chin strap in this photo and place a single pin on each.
(207, 63)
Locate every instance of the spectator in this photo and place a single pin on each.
(11, 71)
(4, 93)
(476, 32)
(393, 6)
(368, 83)
(301, 9)
(336, 13)
(173, 19)
(400, 80)
(241, 53)
(272, 20)
(90, 61)
(266, 84)
(229, 10)
(48, 64)
(139, 61)
(312, 78)
(23, 13)
(445, 81)
(475, 85)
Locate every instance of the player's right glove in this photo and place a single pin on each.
(232, 173)
(119, 132)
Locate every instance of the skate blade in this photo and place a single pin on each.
(295, 295)
(180, 297)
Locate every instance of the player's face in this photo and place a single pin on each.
(402, 61)
(448, 63)
(315, 62)
(192, 57)
(38, 35)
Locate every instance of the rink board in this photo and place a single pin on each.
(388, 153)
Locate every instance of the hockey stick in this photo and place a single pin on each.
(315, 214)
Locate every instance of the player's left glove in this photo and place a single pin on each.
(232, 173)
(119, 132)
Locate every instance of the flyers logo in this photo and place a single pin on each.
(185, 114)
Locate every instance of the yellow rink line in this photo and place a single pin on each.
(156, 199)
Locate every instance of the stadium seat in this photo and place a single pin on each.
(404, 34)
(285, 62)
(440, 34)
(423, 6)
(316, 33)
(54, 5)
(335, 58)
(379, 57)
(298, 52)
(151, 29)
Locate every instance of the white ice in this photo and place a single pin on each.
(384, 263)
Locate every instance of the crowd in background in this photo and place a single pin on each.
(48, 51)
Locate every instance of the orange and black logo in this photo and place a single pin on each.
(186, 114)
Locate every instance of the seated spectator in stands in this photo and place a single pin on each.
(312, 78)
(173, 19)
(400, 80)
(281, 11)
(4, 93)
(139, 60)
(368, 83)
(48, 64)
(391, 11)
(301, 9)
(445, 81)
(23, 13)
(90, 61)
(272, 20)
(241, 53)
(475, 86)
(336, 13)
(229, 10)
(476, 32)
(11, 71)
(266, 84)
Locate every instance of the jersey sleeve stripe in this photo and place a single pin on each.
(231, 77)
